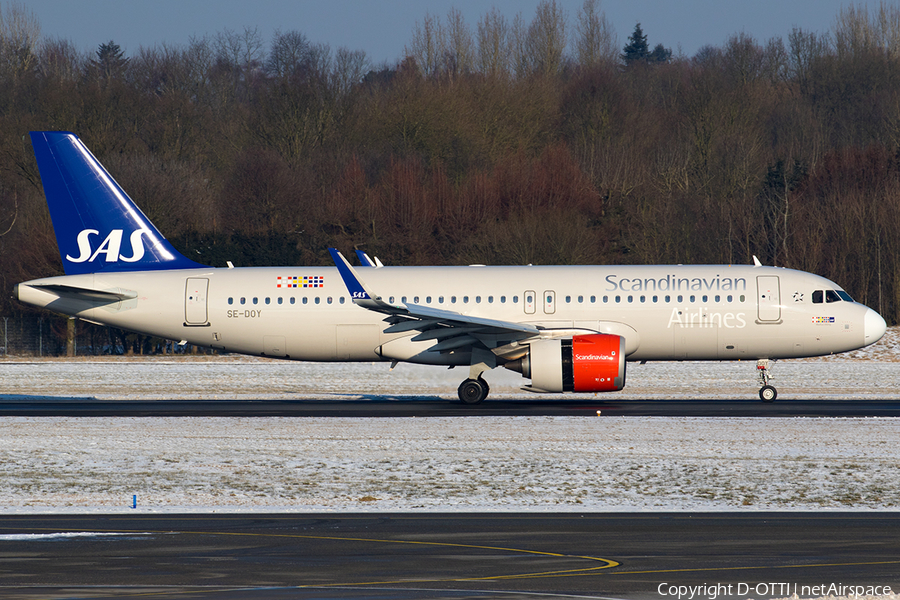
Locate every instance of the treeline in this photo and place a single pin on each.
(503, 142)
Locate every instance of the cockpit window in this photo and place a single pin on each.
(830, 296)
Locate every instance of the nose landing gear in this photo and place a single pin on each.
(767, 393)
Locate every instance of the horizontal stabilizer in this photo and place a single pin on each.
(115, 295)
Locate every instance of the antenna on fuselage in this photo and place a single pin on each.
(756, 262)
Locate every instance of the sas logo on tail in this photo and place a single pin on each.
(110, 247)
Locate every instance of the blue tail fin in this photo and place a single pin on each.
(98, 227)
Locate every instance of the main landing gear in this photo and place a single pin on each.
(767, 393)
(473, 391)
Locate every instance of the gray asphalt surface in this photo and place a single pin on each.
(416, 406)
(418, 556)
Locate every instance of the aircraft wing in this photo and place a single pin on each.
(451, 330)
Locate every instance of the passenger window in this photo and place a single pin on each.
(655, 298)
(605, 299)
(742, 298)
(268, 301)
(342, 299)
(403, 299)
(465, 299)
(693, 298)
(293, 300)
(668, 298)
(427, 299)
(231, 301)
(515, 300)
(718, 298)
(256, 301)
(705, 298)
(593, 299)
(502, 299)
(817, 297)
(568, 299)
(329, 300)
(729, 297)
(390, 300)
(831, 296)
(680, 298)
(280, 300)
(580, 299)
(618, 298)
(305, 299)
(415, 299)
(440, 299)
(318, 300)
(643, 299)
(477, 299)
(452, 299)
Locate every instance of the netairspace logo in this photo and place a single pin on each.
(712, 591)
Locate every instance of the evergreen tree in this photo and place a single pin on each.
(111, 60)
(636, 48)
(660, 54)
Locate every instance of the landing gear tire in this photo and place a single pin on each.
(473, 391)
(768, 393)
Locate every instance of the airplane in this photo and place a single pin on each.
(566, 328)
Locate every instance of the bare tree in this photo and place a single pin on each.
(596, 41)
(546, 39)
(804, 49)
(60, 61)
(744, 59)
(19, 35)
(518, 47)
(856, 31)
(238, 61)
(493, 44)
(428, 45)
(290, 53)
(775, 61)
(459, 54)
(350, 67)
(199, 58)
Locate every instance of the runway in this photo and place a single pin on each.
(417, 406)
(416, 556)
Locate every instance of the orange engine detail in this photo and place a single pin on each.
(598, 363)
(593, 362)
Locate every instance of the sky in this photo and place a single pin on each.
(383, 27)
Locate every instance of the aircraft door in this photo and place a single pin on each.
(768, 298)
(195, 296)
(549, 302)
(530, 300)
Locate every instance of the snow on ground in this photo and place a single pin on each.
(489, 463)
(589, 463)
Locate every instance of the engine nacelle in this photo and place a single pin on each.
(584, 363)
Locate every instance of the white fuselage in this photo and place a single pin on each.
(710, 312)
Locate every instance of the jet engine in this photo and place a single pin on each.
(584, 363)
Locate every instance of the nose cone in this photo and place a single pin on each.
(874, 327)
